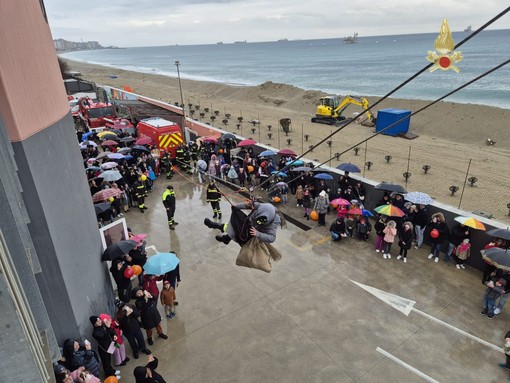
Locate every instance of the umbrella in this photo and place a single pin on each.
(418, 198)
(86, 143)
(110, 175)
(106, 133)
(294, 163)
(470, 222)
(117, 250)
(86, 136)
(246, 142)
(141, 148)
(109, 165)
(128, 157)
(109, 143)
(497, 257)
(279, 174)
(139, 237)
(323, 176)
(340, 201)
(348, 167)
(210, 139)
(127, 139)
(367, 213)
(116, 156)
(93, 168)
(267, 153)
(103, 195)
(228, 136)
(144, 141)
(355, 211)
(124, 150)
(500, 233)
(102, 155)
(318, 170)
(390, 211)
(109, 136)
(386, 186)
(281, 184)
(161, 263)
(101, 207)
(287, 152)
(301, 169)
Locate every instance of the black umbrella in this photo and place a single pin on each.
(348, 167)
(101, 207)
(117, 250)
(109, 136)
(127, 139)
(497, 257)
(500, 233)
(140, 148)
(228, 136)
(386, 186)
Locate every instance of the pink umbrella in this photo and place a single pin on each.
(287, 152)
(246, 143)
(355, 212)
(109, 143)
(210, 139)
(109, 165)
(340, 201)
(104, 194)
(138, 238)
(144, 141)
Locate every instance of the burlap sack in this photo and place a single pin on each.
(254, 254)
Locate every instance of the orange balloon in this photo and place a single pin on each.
(137, 270)
(220, 151)
(250, 169)
(111, 379)
(276, 199)
(314, 215)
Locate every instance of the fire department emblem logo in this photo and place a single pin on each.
(444, 58)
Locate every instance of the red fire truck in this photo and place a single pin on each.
(92, 114)
(166, 135)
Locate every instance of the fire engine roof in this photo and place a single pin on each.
(158, 122)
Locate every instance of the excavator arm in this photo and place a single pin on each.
(330, 109)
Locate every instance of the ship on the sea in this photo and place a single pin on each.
(282, 40)
(220, 43)
(240, 42)
(468, 29)
(351, 39)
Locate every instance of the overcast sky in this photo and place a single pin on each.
(128, 23)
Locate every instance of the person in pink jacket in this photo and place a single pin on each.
(390, 232)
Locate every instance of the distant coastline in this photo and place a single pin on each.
(63, 46)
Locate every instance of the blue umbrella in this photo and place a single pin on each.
(301, 169)
(294, 163)
(367, 213)
(267, 153)
(128, 157)
(279, 174)
(86, 136)
(161, 263)
(93, 168)
(348, 167)
(323, 176)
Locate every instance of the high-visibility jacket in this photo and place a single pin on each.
(140, 189)
(168, 198)
(213, 193)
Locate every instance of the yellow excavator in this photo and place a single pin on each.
(330, 109)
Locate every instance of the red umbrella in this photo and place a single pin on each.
(105, 194)
(109, 143)
(287, 152)
(211, 139)
(246, 143)
(355, 212)
(340, 201)
(144, 141)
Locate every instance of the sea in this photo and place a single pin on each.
(373, 66)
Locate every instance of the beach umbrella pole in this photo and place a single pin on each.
(365, 160)
(465, 180)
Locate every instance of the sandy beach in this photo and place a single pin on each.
(450, 134)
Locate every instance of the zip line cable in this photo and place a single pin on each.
(484, 26)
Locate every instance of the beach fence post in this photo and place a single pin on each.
(465, 181)
(278, 125)
(365, 160)
(302, 131)
(408, 162)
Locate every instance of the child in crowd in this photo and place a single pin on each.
(379, 228)
(350, 225)
(168, 299)
(491, 295)
(405, 240)
(307, 203)
(390, 232)
(341, 211)
(461, 253)
(285, 193)
(299, 196)
(119, 353)
(364, 229)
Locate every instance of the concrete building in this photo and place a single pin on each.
(51, 278)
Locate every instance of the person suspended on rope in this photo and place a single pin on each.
(262, 222)
(213, 196)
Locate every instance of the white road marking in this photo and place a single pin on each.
(406, 366)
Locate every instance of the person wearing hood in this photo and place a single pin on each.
(123, 284)
(263, 221)
(420, 222)
(458, 234)
(76, 356)
(437, 233)
(405, 237)
(337, 229)
(106, 339)
(321, 206)
(148, 374)
(148, 306)
(127, 317)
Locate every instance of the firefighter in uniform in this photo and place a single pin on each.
(141, 192)
(214, 196)
(166, 164)
(193, 147)
(179, 156)
(187, 161)
(169, 202)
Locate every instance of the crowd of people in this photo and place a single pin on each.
(137, 308)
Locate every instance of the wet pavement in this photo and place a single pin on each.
(307, 321)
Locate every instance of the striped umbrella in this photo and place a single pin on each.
(470, 222)
(104, 194)
(390, 211)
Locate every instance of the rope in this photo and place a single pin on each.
(491, 21)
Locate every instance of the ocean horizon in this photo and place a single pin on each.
(371, 67)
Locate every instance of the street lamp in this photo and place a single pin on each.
(177, 63)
